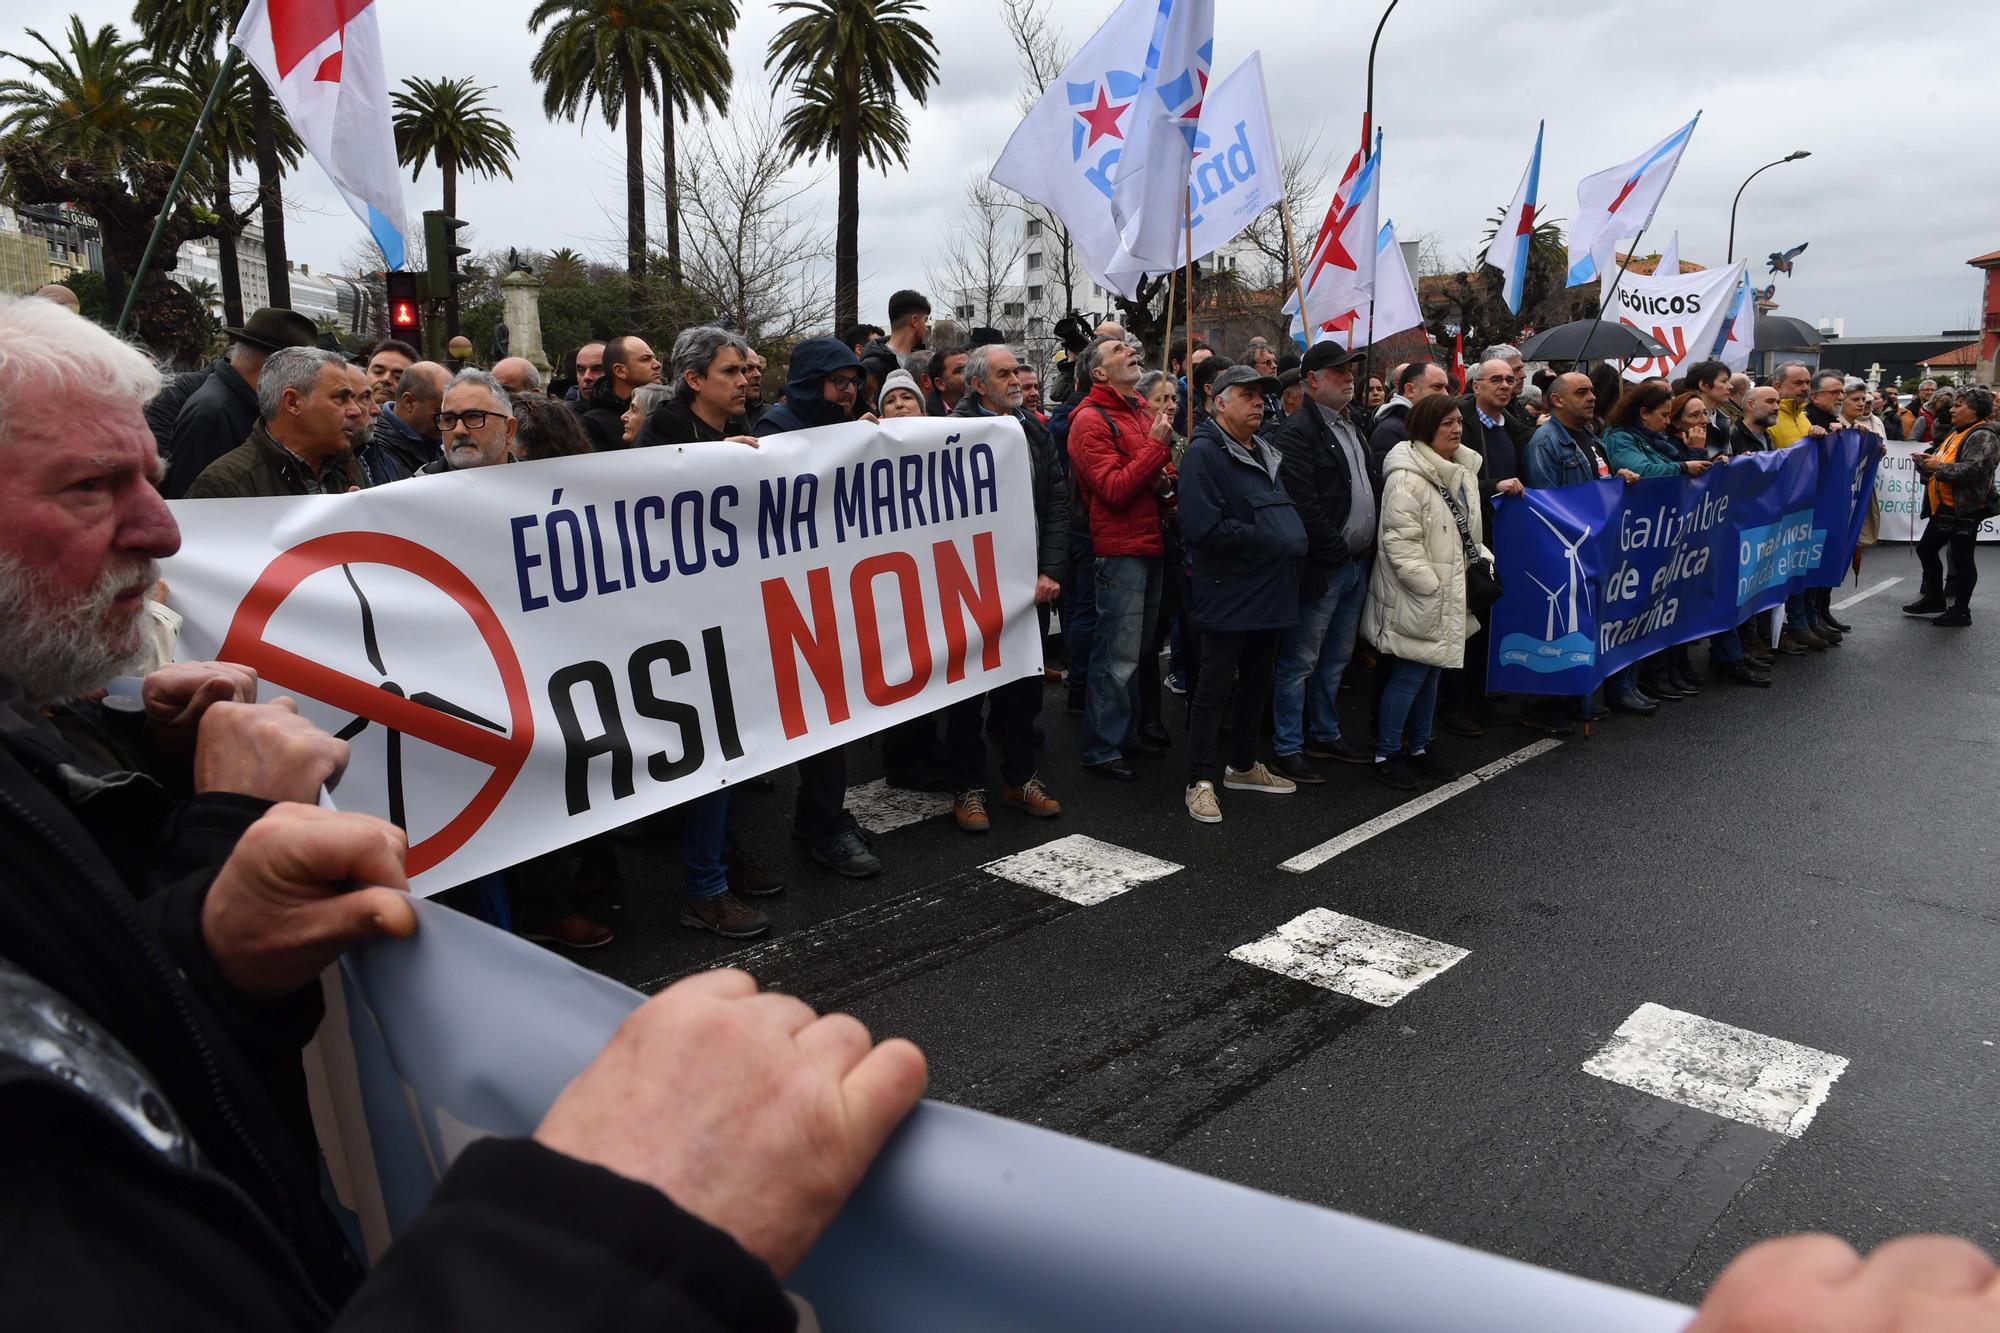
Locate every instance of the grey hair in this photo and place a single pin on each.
(650, 396)
(1501, 352)
(484, 380)
(1980, 399)
(1150, 380)
(1930, 383)
(976, 359)
(697, 348)
(294, 368)
(1784, 368)
(418, 377)
(48, 356)
(1739, 382)
(1822, 376)
(1093, 355)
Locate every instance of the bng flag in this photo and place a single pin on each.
(1108, 147)
(1237, 173)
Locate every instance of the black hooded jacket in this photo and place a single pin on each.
(802, 407)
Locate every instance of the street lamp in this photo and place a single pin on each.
(1793, 157)
(1368, 108)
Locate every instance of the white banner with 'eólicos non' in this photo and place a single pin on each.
(523, 656)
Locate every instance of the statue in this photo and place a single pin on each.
(516, 264)
(500, 335)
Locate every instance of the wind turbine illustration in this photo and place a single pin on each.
(393, 757)
(1570, 549)
(1554, 596)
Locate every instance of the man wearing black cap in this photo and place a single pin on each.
(222, 412)
(1245, 542)
(1324, 464)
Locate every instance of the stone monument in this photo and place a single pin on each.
(521, 297)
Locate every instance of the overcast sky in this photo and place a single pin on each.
(1897, 108)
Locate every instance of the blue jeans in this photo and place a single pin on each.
(704, 831)
(1726, 646)
(1798, 613)
(1079, 612)
(1317, 650)
(1128, 603)
(1409, 700)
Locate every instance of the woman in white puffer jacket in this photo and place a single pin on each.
(1416, 610)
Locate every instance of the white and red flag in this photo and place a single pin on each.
(323, 60)
(1516, 233)
(1618, 202)
(1339, 274)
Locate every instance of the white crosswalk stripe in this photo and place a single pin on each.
(1342, 953)
(1081, 869)
(1728, 1071)
(880, 808)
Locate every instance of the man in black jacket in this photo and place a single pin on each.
(167, 902)
(219, 414)
(993, 389)
(406, 438)
(1324, 466)
(629, 365)
(1415, 382)
(710, 376)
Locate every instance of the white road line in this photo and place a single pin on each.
(1314, 857)
(1372, 963)
(1728, 1071)
(880, 808)
(1883, 586)
(1081, 869)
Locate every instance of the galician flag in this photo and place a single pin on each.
(1395, 305)
(1108, 147)
(1670, 258)
(1619, 202)
(323, 60)
(1732, 341)
(1509, 251)
(1340, 268)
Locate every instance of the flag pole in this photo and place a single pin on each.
(1167, 339)
(1188, 360)
(1298, 275)
(174, 188)
(1629, 256)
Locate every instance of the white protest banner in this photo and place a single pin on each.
(1899, 488)
(1686, 312)
(523, 656)
(1237, 173)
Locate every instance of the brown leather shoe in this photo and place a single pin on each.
(1812, 640)
(1032, 798)
(725, 914)
(1791, 645)
(969, 809)
(575, 931)
(748, 879)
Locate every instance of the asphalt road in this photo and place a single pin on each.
(1810, 864)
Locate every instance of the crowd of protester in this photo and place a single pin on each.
(172, 892)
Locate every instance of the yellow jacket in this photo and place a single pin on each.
(1791, 426)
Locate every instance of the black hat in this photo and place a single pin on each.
(1327, 355)
(1240, 374)
(984, 336)
(1287, 378)
(273, 329)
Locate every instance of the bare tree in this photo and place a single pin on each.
(976, 268)
(1043, 54)
(749, 255)
(1302, 168)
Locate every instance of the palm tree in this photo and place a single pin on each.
(694, 73)
(448, 120)
(176, 29)
(94, 100)
(849, 58)
(230, 138)
(565, 268)
(606, 52)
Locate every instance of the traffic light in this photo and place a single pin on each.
(441, 252)
(406, 307)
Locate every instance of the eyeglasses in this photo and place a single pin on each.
(472, 420)
(844, 382)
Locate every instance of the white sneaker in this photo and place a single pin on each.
(1202, 805)
(1258, 778)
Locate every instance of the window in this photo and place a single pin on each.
(1013, 310)
(964, 312)
(1034, 293)
(1034, 226)
(1034, 260)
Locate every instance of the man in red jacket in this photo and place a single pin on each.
(1119, 465)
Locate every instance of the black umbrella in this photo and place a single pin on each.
(1610, 342)
(1782, 332)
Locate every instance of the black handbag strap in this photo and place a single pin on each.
(1472, 556)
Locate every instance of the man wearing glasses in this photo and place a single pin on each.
(1491, 434)
(820, 390)
(476, 422)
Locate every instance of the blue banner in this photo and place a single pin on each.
(1599, 576)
